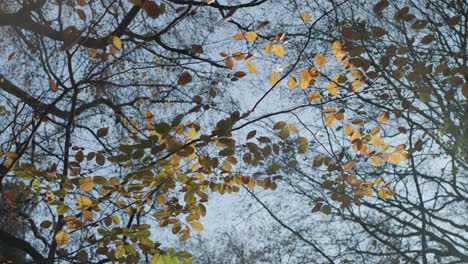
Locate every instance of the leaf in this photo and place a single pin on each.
(184, 78)
(400, 148)
(427, 39)
(197, 226)
(268, 48)
(119, 252)
(333, 88)
(326, 209)
(156, 259)
(102, 132)
(274, 78)
(86, 184)
(338, 50)
(382, 193)
(93, 53)
(380, 6)
(304, 79)
(262, 25)
(229, 62)
(53, 85)
(227, 166)
(185, 234)
(376, 161)
(356, 84)
(238, 36)
(314, 96)
(83, 202)
(100, 160)
(278, 50)
(251, 36)
(306, 17)
(11, 56)
(348, 129)
(378, 181)
(116, 42)
(383, 117)
(197, 49)
(292, 83)
(251, 67)
(394, 158)
(347, 166)
(61, 238)
(329, 120)
(320, 59)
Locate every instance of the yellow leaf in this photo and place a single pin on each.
(119, 251)
(306, 17)
(348, 165)
(115, 219)
(376, 161)
(305, 79)
(355, 135)
(83, 202)
(356, 73)
(192, 133)
(92, 53)
(394, 158)
(329, 120)
(377, 141)
(116, 42)
(278, 50)
(251, 67)
(382, 193)
(274, 78)
(383, 117)
(332, 88)
(238, 36)
(50, 197)
(384, 147)
(251, 184)
(227, 166)
(292, 83)
(365, 191)
(86, 184)
(292, 128)
(378, 181)
(197, 226)
(61, 238)
(356, 84)
(314, 96)
(338, 50)
(268, 48)
(238, 55)
(320, 60)
(348, 129)
(229, 63)
(35, 184)
(329, 110)
(400, 148)
(374, 131)
(251, 36)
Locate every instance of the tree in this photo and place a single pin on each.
(123, 116)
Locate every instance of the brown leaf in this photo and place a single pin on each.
(184, 78)
(11, 56)
(53, 85)
(102, 132)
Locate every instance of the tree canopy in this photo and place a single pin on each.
(121, 119)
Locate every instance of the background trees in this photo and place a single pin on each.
(123, 117)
